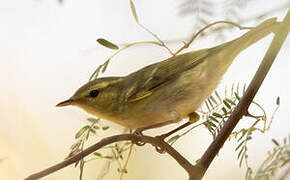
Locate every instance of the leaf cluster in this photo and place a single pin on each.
(278, 158)
(217, 108)
(116, 152)
(244, 135)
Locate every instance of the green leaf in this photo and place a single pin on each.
(81, 131)
(214, 119)
(207, 106)
(227, 104)
(122, 170)
(218, 96)
(105, 128)
(238, 89)
(232, 89)
(107, 43)
(249, 174)
(92, 131)
(93, 120)
(226, 92)
(98, 154)
(237, 96)
(108, 157)
(128, 143)
(211, 124)
(242, 150)
(255, 123)
(133, 9)
(172, 139)
(241, 143)
(278, 101)
(285, 162)
(224, 110)
(230, 101)
(208, 126)
(242, 158)
(209, 101)
(96, 127)
(76, 164)
(125, 171)
(244, 88)
(243, 134)
(217, 115)
(97, 72)
(213, 99)
(275, 142)
(105, 65)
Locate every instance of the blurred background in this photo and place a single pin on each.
(49, 49)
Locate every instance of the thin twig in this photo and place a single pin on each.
(105, 64)
(159, 43)
(154, 35)
(146, 29)
(126, 162)
(186, 45)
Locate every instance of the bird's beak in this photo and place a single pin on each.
(65, 103)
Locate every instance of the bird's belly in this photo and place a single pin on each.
(166, 106)
(181, 97)
(193, 91)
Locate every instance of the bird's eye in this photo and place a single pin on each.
(94, 93)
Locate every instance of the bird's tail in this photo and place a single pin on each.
(265, 28)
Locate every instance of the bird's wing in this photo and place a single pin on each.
(158, 74)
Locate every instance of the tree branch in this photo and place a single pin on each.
(157, 142)
(248, 97)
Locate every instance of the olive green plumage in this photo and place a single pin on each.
(167, 90)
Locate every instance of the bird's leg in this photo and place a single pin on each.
(175, 118)
(193, 117)
(139, 131)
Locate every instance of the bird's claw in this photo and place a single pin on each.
(138, 140)
(160, 148)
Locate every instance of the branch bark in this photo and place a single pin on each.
(157, 142)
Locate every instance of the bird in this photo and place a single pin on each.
(167, 91)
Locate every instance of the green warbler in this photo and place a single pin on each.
(167, 91)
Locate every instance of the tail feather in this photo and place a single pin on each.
(262, 30)
(222, 56)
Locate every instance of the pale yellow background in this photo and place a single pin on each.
(48, 50)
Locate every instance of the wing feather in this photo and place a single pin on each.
(158, 74)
